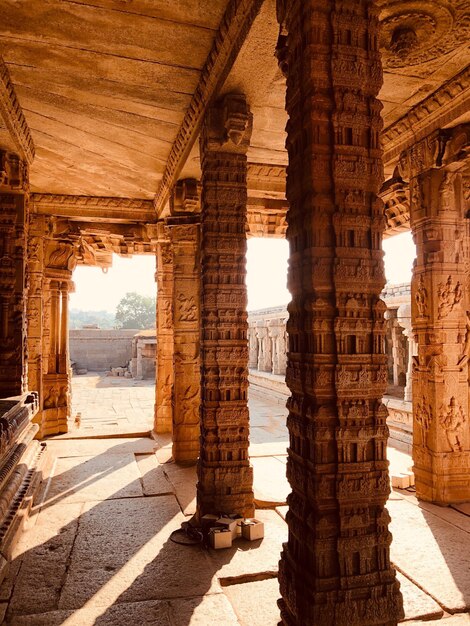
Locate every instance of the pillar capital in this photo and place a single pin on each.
(14, 175)
(228, 126)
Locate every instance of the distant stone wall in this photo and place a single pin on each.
(98, 350)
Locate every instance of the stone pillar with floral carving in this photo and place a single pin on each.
(14, 209)
(164, 371)
(276, 331)
(55, 402)
(265, 363)
(335, 566)
(440, 304)
(184, 236)
(225, 476)
(252, 346)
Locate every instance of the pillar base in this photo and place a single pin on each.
(441, 478)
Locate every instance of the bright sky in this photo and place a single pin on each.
(266, 278)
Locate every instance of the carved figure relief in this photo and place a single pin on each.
(423, 417)
(421, 298)
(187, 308)
(452, 418)
(449, 295)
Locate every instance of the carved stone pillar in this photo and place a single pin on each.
(335, 568)
(225, 476)
(38, 228)
(404, 319)
(14, 198)
(164, 377)
(55, 403)
(440, 304)
(276, 330)
(265, 362)
(184, 235)
(252, 346)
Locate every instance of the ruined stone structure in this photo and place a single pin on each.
(179, 129)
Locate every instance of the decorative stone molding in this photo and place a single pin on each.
(439, 109)
(185, 197)
(13, 118)
(93, 207)
(414, 33)
(235, 25)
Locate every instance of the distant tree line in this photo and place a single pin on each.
(133, 311)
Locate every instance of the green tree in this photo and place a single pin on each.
(136, 311)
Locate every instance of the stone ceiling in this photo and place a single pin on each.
(107, 86)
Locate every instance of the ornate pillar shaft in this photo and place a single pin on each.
(14, 199)
(184, 234)
(335, 567)
(55, 403)
(225, 476)
(164, 375)
(440, 305)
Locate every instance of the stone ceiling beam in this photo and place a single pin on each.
(94, 208)
(14, 130)
(446, 104)
(234, 28)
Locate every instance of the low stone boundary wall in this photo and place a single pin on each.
(99, 350)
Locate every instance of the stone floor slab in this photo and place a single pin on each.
(154, 479)
(270, 482)
(251, 558)
(123, 553)
(255, 603)
(91, 447)
(416, 603)
(184, 480)
(463, 508)
(83, 479)
(433, 553)
(209, 610)
(43, 553)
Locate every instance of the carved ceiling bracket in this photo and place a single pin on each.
(12, 117)
(396, 198)
(236, 23)
(449, 148)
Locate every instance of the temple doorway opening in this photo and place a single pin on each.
(112, 341)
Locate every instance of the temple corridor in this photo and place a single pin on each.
(97, 546)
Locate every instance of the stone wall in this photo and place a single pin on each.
(99, 350)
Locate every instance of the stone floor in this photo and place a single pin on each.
(97, 548)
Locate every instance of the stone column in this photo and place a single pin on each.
(335, 567)
(164, 377)
(440, 319)
(276, 329)
(55, 403)
(225, 476)
(252, 346)
(404, 319)
(184, 235)
(14, 198)
(139, 371)
(264, 342)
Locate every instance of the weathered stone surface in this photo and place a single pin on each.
(82, 479)
(430, 551)
(154, 479)
(454, 620)
(183, 478)
(44, 552)
(122, 553)
(416, 603)
(92, 447)
(255, 603)
(202, 611)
